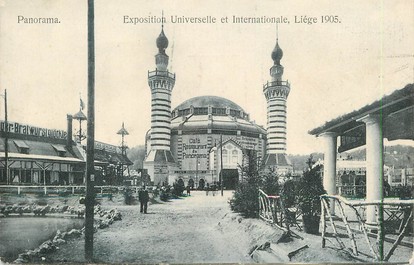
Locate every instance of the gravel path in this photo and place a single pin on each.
(185, 230)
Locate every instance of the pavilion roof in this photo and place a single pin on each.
(396, 111)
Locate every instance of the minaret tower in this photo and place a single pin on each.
(276, 92)
(159, 160)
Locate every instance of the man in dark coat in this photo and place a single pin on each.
(143, 197)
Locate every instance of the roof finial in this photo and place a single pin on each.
(162, 19)
(277, 32)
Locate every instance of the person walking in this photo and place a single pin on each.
(143, 197)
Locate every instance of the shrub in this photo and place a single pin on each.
(178, 188)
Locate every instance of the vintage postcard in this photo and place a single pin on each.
(192, 131)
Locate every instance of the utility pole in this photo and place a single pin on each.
(221, 164)
(6, 138)
(90, 152)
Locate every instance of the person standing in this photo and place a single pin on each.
(143, 197)
(188, 190)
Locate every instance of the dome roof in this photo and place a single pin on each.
(162, 42)
(277, 54)
(205, 101)
(195, 115)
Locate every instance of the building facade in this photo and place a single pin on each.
(203, 135)
(41, 156)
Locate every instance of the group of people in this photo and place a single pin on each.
(211, 188)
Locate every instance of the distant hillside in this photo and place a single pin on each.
(398, 156)
(137, 155)
(299, 161)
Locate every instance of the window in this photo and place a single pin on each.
(59, 149)
(22, 147)
(235, 157)
(225, 157)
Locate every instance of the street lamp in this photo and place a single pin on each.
(197, 164)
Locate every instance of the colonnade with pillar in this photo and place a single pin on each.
(374, 163)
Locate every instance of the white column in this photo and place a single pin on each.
(329, 165)
(374, 170)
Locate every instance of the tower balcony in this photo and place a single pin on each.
(276, 83)
(161, 73)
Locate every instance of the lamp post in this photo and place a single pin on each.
(123, 147)
(221, 164)
(196, 176)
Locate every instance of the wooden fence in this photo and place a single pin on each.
(377, 249)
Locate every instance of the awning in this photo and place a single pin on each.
(59, 148)
(21, 144)
(30, 157)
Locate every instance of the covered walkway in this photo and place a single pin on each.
(390, 117)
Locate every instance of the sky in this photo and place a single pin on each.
(333, 68)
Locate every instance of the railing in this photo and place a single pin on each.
(161, 73)
(351, 190)
(67, 189)
(271, 210)
(276, 83)
(381, 207)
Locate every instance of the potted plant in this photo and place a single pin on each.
(308, 194)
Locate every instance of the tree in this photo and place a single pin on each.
(270, 184)
(309, 189)
(245, 198)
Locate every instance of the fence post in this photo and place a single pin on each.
(323, 222)
(18, 190)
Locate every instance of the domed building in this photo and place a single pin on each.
(199, 126)
(205, 134)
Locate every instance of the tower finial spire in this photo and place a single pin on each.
(277, 32)
(162, 19)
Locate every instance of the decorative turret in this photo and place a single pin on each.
(161, 83)
(161, 59)
(162, 41)
(277, 53)
(276, 71)
(276, 92)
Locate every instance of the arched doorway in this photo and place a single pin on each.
(181, 182)
(191, 183)
(201, 184)
(230, 178)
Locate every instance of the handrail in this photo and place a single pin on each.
(161, 73)
(270, 206)
(379, 204)
(276, 83)
(369, 203)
